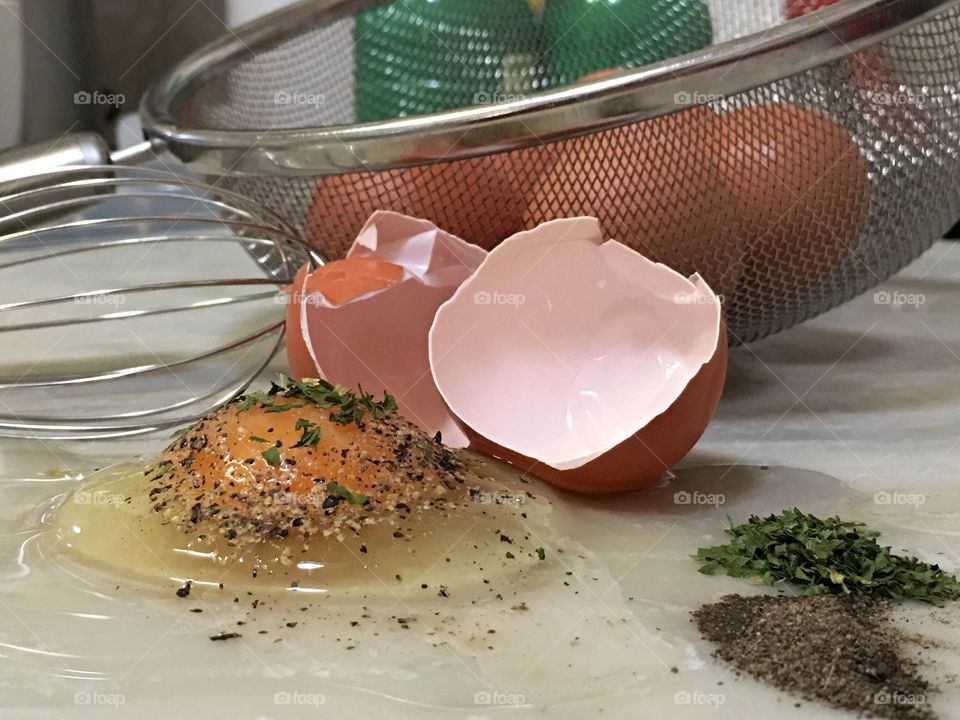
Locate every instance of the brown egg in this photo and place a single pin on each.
(799, 184)
(478, 199)
(653, 187)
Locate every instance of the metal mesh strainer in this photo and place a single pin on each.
(847, 171)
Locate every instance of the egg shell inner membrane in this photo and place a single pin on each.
(561, 345)
(434, 256)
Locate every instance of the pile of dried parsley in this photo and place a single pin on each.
(825, 556)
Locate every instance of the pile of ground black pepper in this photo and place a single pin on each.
(840, 650)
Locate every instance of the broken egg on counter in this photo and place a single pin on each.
(307, 488)
(578, 360)
(362, 321)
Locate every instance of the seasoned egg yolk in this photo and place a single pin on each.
(279, 492)
(281, 465)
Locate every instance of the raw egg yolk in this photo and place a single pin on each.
(284, 467)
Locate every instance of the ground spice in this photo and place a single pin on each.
(840, 650)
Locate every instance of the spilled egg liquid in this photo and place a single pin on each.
(490, 530)
(290, 492)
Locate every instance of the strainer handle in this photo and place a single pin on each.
(21, 164)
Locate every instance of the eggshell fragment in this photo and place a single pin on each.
(580, 360)
(377, 339)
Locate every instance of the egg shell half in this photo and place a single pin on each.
(378, 340)
(579, 360)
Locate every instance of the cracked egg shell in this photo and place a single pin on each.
(363, 321)
(580, 361)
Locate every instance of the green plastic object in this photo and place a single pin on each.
(422, 56)
(590, 35)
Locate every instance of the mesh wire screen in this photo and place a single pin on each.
(789, 199)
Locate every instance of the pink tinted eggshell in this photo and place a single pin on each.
(580, 360)
(379, 340)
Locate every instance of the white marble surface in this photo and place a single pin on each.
(865, 394)
(869, 392)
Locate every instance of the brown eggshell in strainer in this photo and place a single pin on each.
(579, 360)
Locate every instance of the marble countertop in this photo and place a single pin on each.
(867, 392)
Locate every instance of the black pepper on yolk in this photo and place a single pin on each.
(272, 466)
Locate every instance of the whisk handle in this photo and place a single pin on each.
(20, 165)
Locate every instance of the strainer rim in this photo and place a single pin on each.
(630, 96)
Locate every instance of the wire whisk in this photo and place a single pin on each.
(133, 300)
